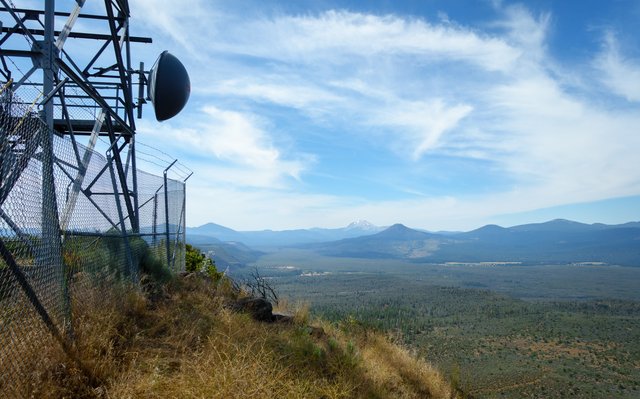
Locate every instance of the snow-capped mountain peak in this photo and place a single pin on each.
(362, 225)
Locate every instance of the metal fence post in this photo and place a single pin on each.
(154, 216)
(134, 181)
(166, 214)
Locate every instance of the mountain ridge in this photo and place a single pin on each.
(279, 238)
(550, 242)
(554, 241)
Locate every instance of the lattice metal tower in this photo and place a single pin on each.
(99, 79)
(103, 81)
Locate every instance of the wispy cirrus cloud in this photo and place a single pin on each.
(301, 95)
(174, 20)
(621, 75)
(339, 36)
(565, 146)
(423, 123)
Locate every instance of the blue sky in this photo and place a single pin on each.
(442, 115)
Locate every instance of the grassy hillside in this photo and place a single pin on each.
(180, 340)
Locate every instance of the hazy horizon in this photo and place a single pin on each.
(414, 227)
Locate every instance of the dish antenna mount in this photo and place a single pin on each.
(169, 86)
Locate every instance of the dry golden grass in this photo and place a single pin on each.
(188, 345)
(400, 372)
(25, 346)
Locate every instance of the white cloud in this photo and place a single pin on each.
(423, 123)
(181, 23)
(563, 148)
(303, 96)
(237, 139)
(621, 75)
(526, 32)
(338, 36)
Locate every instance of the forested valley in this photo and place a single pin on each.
(481, 325)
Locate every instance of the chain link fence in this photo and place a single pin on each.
(64, 229)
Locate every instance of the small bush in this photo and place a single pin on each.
(150, 264)
(194, 259)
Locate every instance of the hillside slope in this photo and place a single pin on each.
(181, 340)
(397, 241)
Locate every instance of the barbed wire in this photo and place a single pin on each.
(31, 83)
(26, 37)
(151, 162)
(156, 149)
(185, 170)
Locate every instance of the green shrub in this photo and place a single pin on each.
(196, 261)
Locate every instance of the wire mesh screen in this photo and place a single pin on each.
(62, 217)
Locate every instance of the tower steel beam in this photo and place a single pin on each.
(56, 13)
(75, 35)
(123, 178)
(117, 47)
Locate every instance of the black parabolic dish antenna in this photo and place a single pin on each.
(169, 86)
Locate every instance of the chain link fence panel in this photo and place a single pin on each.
(61, 217)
